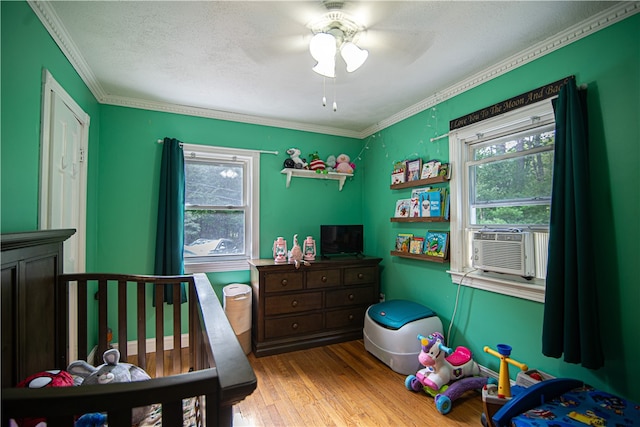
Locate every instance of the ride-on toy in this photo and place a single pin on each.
(439, 370)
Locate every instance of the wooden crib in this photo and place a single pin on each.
(35, 338)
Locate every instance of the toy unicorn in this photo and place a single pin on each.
(440, 370)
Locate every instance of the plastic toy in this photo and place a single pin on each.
(503, 353)
(439, 370)
(445, 399)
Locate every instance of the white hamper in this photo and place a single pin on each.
(391, 330)
(237, 307)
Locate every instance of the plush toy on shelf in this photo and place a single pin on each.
(298, 163)
(330, 164)
(343, 164)
(316, 164)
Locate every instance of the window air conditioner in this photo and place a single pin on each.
(504, 252)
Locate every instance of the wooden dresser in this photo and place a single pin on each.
(320, 304)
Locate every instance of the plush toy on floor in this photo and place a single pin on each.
(441, 364)
(112, 371)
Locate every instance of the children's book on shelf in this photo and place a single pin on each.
(425, 207)
(436, 243)
(417, 191)
(403, 240)
(403, 208)
(417, 245)
(414, 211)
(444, 170)
(413, 169)
(430, 169)
(434, 203)
(399, 174)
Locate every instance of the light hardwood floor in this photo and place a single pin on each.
(342, 385)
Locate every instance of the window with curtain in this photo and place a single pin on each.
(221, 208)
(501, 180)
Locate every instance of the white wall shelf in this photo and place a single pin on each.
(304, 173)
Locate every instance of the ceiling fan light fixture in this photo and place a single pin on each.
(353, 56)
(326, 67)
(323, 47)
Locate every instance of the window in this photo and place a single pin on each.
(502, 182)
(221, 208)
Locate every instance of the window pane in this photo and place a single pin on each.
(213, 184)
(512, 189)
(512, 215)
(213, 233)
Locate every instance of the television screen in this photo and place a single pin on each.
(341, 239)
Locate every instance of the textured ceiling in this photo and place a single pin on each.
(249, 61)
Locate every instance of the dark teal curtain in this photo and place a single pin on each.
(571, 325)
(170, 231)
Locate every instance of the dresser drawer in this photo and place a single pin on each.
(292, 303)
(280, 282)
(360, 275)
(351, 317)
(292, 325)
(355, 296)
(323, 278)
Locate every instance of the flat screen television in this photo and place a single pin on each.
(341, 240)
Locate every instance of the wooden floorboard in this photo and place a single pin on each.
(342, 385)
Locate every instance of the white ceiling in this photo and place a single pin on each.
(249, 61)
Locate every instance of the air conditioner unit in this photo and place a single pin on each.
(504, 252)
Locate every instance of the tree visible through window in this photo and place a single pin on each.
(218, 209)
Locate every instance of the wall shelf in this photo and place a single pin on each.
(304, 173)
(419, 219)
(420, 257)
(418, 183)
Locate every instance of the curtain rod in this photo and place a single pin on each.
(160, 141)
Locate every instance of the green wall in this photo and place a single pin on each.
(608, 62)
(123, 169)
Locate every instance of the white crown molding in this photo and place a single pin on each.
(54, 26)
(59, 33)
(595, 23)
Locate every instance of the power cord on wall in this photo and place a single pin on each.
(455, 307)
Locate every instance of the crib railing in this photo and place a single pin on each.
(222, 373)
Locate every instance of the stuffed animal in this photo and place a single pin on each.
(316, 163)
(53, 378)
(112, 371)
(299, 163)
(343, 164)
(330, 164)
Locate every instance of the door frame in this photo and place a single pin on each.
(50, 87)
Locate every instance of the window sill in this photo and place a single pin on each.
(213, 267)
(532, 290)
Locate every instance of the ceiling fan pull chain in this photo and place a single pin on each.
(324, 97)
(335, 103)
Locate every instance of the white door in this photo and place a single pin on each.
(63, 179)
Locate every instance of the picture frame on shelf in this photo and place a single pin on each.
(436, 244)
(413, 169)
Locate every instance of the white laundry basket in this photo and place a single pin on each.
(237, 307)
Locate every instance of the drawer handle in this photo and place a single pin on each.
(294, 325)
(324, 278)
(284, 282)
(360, 276)
(294, 303)
(351, 297)
(350, 317)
